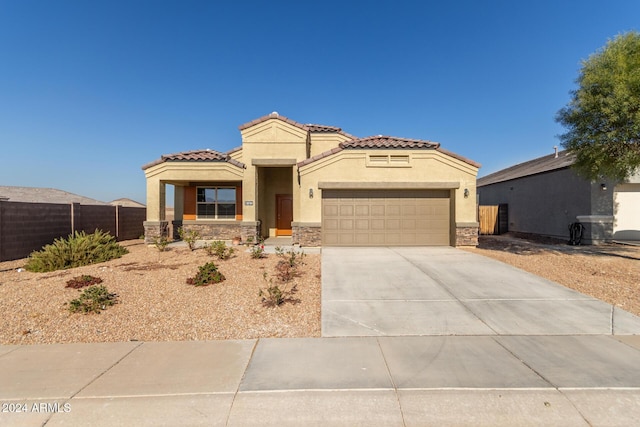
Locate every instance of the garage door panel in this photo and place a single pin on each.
(386, 217)
(393, 210)
(346, 224)
(377, 209)
(362, 210)
(377, 224)
(362, 224)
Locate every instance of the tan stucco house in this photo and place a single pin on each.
(319, 185)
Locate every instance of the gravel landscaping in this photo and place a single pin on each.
(609, 272)
(155, 303)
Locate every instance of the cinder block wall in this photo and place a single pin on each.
(92, 217)
(25, 227)
(131, 222)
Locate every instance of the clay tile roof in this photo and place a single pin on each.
(388, 142)
(195, 156)
(273, 115)
(322, 128)
(319, 156)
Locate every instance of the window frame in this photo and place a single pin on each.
(216, 203)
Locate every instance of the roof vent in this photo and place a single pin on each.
(555, 148)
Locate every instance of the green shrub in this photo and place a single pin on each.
(207, 275)
(189, 237)
(75, 251)
(93, 300)
(257, 252)
(161, 243)
(274, 295)
(83, 281)
(220, 250)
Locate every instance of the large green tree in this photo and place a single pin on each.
(603, 117)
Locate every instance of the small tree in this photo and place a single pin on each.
(603, 116)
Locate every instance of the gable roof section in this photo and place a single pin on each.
(532, 167)
(44, 195)
(386, 142)
(381, 141)
(309, 127)
(207, 155)
(273, 115)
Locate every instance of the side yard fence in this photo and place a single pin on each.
(25, 227)
(493, 219)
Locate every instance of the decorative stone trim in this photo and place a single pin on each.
(214, 230)
(306, 234)
(467, 234)
(250, 231)
(154, 230)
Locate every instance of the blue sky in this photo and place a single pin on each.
(92, 90)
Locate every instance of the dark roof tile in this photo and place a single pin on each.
(532, 167)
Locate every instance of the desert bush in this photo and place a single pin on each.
(161, 243)
(275, 295)
(220, 250)
(257, 252)
(93, 300)
(207, 275)
(285, 272)
(75, 251)
(189, 237)
(83, 281)
(291, 257)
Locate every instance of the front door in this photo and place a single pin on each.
(284, 214)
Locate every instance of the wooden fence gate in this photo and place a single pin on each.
(493, 219)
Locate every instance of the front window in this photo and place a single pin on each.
(216, 203)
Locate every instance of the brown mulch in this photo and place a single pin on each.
(155, 303)
(608, 272)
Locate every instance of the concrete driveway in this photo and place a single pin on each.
(446, 291)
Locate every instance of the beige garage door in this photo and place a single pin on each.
(385, 217)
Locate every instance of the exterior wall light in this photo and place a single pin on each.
(311, 193)
(466, 193)
(603, 186)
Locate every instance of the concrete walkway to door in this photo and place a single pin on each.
(446, 291)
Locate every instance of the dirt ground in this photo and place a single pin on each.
(155, 303)
(607, 272)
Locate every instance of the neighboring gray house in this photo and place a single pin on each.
(544, 196)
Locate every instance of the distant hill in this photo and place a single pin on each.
(127, 203)
(44, 195)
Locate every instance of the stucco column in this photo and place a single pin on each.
(155, 225)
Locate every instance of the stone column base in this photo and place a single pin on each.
(467, 234)
(250, 231)
(306, 234)
(154, 230)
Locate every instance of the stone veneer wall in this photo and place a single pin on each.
(467, 234)
(306, 234)
(214, 231)
(154, 230)
(250, 231)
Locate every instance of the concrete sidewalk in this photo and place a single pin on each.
(423, 336)
(370, 381)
